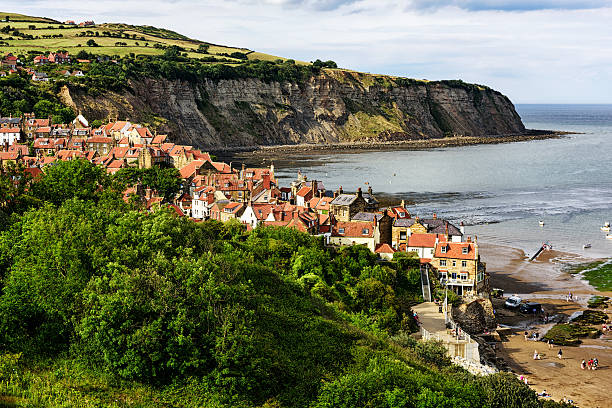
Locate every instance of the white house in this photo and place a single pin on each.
(356, 233)
(9, 136)
(255, 214)
(203, 200)
(423, 244)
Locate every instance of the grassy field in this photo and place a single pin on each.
(21, 17)
(599, 274)
(146, 40)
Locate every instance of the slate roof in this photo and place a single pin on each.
(404, 222)
(366, 216)
(344, 199)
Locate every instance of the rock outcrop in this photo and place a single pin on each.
(476, 316)
(334, 106)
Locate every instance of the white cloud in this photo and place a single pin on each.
(546, 55)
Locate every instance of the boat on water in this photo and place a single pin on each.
(585, 246)
(541, 223)
(606, 227)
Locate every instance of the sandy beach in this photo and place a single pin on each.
(543, 281)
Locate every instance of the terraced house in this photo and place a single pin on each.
(458, 264)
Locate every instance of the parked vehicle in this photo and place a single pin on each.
(530, 308)
(513, 302)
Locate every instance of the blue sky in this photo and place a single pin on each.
(540, 51)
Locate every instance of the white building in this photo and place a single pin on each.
(9, 136)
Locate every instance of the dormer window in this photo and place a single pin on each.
(401, 214)
(443, 249)
(340, 230)
(365, 231)
(464, 250)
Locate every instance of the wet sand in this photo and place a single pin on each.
(544, 281)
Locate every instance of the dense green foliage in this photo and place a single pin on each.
(102, 303)
(19, 95)
(166, 181)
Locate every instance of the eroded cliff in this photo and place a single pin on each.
(334, 106)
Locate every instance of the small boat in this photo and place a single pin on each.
(606, 227)
(585, 246)
(541, 223)
(608, 236)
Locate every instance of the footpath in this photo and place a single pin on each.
(460, 346)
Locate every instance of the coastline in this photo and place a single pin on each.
(421, 144)
(546, 281)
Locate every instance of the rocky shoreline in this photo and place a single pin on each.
(420, 144)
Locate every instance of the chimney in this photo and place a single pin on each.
(462, 228)
(359, 192)
(340, 191)
(335, 193)
(469, 240)
(242, 172)
(435, 216)
(403, 204)
(370, 191)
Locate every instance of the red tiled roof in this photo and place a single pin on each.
(454, 250)
(100, 139)
(423, 240)
(303, 191)
(9, 155)
(190, 169)
(353, 229)
(384, 249)
(9, 130)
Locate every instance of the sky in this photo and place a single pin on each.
(538, 51)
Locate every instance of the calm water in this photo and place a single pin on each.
(499, 191)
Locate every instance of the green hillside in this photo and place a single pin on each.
(23, 34)
(105, 305)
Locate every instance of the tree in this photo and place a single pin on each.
(92, 43)
(70, 179)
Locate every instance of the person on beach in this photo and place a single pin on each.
(560, 354)
(590, 364)
(595, 363)
(583, 364)
(536, 355)
(550, 344)
(526, 335)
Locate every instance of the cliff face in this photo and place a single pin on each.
(335, 106)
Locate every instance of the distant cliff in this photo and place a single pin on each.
(333, 106)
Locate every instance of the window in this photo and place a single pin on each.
(443, 249)
(401, 214)
(365, 231)
(454, 263)
(464, 250)
(464, 264)
(454, 275)
(443, 262)
(402, 235)
(463, 276)
(340, 230)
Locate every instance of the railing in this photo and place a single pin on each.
(425, 287)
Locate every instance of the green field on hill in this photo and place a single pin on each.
(23, 34)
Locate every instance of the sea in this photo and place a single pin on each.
(501, 192)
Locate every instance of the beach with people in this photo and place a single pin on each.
(577, 373)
